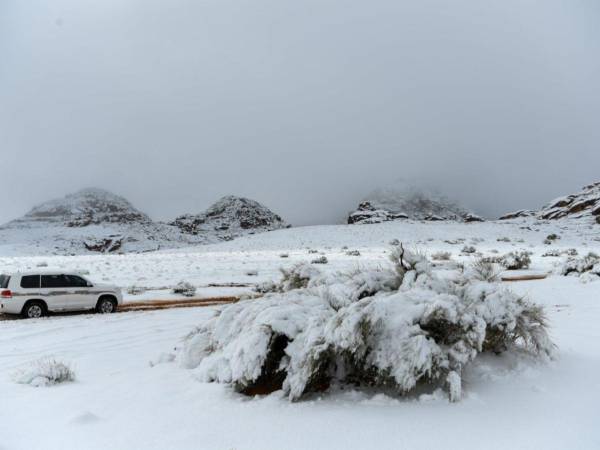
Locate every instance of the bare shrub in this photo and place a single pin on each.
(320, 260)
(353, 253)
(484, 270)
(441, 256)
(516, 260)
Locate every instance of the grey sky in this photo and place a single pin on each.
(303, 105)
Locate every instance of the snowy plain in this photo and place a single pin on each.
(128, 396)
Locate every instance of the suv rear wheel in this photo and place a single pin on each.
(33, 310)
(106, 306)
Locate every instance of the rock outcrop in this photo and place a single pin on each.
(410, 203)
(230, 217)
(91, 206)
(581, 204)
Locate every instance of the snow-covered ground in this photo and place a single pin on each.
(127, 396)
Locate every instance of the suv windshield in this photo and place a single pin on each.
(4, 279)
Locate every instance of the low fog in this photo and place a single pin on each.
(305, 106)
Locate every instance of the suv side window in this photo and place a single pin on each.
(75, 281)
(30, 281)
(54, 281)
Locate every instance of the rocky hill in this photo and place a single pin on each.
(584, 203)
(230, 217)
(408, 203)
(95, 220)
(91, 206)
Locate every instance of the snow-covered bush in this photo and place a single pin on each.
(320, 260)
(352, 253)
(551, 238)
(390, 328)
(296, 277)
(551, 253)
(136, 290)
(468, 249)
(284, 255)
(589, 263)
(503, 239)
(44, 372)
(252, 273)
(516, 260)
(184, 288)
(441, 256)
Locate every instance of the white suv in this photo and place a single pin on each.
(34, 294)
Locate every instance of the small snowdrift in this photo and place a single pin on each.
(393, 328)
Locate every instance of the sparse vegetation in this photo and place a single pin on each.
(468, 249)
(441, 256)
(516, 260)
(184, 288)
(484, 270)
(353, 253)
(589, 263)
(136, 290)
(320, 260)
(551, 238)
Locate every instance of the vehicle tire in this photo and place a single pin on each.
(34, 310)
(106, 305)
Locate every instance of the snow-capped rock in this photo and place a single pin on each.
(409, 203)
(581, 204)
(230, 217)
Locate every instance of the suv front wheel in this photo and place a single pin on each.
(106, 306)
(33, 310)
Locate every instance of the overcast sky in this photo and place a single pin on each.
(304, 105)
